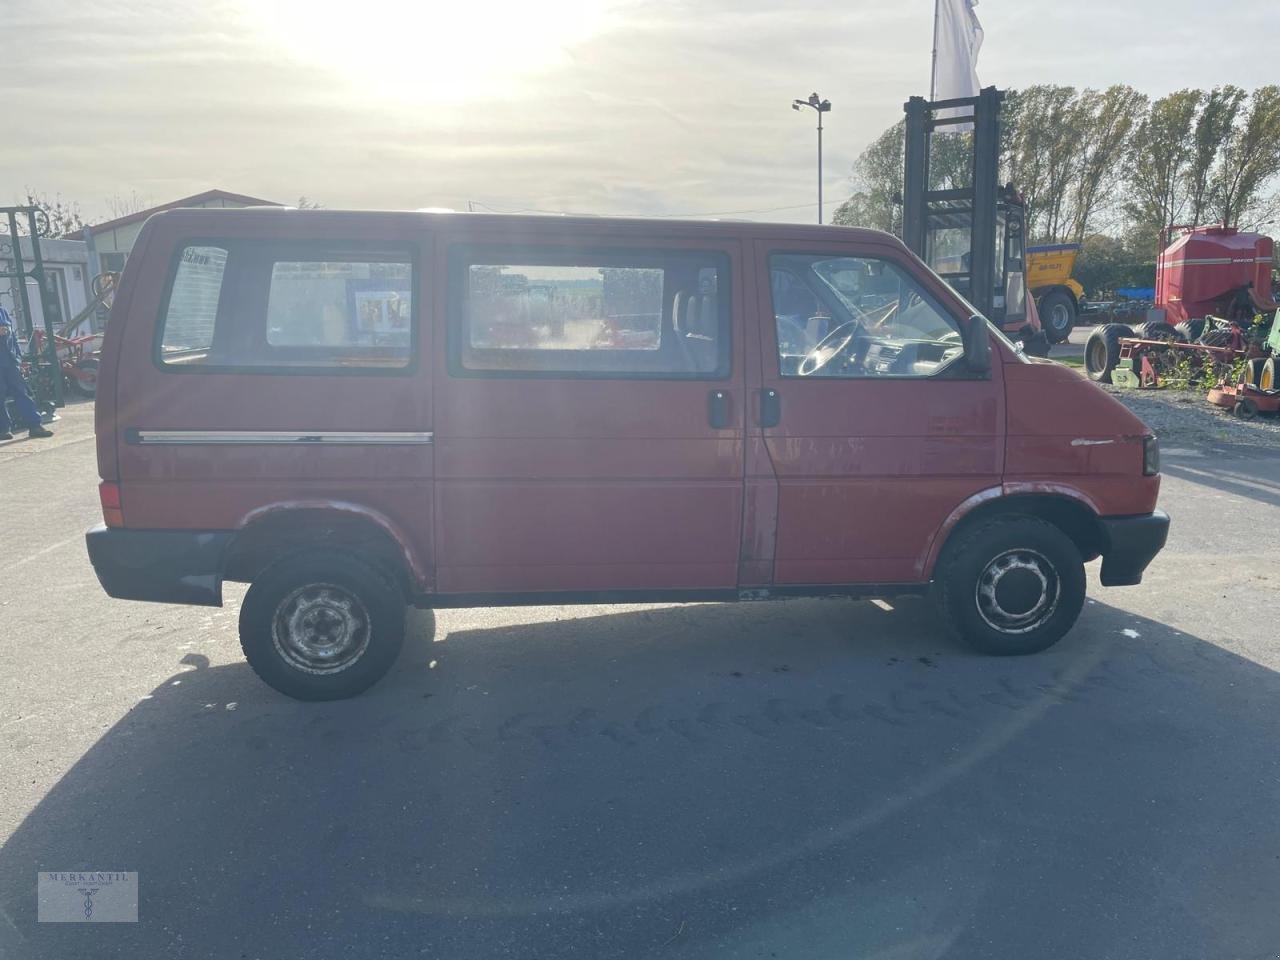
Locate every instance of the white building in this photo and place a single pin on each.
(66, 264)
(110, 242)
(72, 262)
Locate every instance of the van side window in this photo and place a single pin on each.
(840, 316)
(340, 309)
(187, 331)
(262, 306)
(542, 311)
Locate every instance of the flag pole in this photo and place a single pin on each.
(933, 66)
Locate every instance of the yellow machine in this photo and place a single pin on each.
(1058, 295)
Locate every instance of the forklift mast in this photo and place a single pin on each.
(956, 216)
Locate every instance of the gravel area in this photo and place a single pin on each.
(1186, 418)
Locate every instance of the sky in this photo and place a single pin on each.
(622, 107)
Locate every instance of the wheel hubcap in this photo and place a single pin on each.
(1017, 591)
(321, 628)
(1058, 317)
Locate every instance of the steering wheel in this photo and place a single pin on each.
(828, 348)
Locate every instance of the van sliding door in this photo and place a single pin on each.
(589, 413)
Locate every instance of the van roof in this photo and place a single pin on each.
(721, 228)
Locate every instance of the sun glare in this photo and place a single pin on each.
(459, 50)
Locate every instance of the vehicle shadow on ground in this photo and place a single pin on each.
(1254, 479)
(812, 778)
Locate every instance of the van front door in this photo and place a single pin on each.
(589, 428)
(874, 428)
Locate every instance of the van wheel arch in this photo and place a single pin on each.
(280, 532)
(1072, 517)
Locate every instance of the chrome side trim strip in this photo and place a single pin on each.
(204, 437)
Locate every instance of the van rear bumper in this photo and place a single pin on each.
(164, 566)
(1131, 543)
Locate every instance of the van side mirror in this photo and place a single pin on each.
(977, 345)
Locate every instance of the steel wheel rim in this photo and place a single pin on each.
(321, 628)
(1059, 316)
(1017, 591)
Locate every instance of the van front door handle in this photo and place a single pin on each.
(718, 413)
(770, 408)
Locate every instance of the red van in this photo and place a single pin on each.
(357, 411)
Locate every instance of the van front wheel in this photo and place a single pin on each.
(1011, 585)
(323, 625)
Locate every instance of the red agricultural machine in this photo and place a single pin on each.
(1215, 305)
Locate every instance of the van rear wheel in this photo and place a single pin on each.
(321, 625)
(1011, 585)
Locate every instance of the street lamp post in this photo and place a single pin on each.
(820, 106)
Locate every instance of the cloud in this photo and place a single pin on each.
(663, 108)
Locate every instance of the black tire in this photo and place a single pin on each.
(1036, 345)
(1057, 314)
(1245, 409)
(297, 604)
(89, 388)
(1191, 329)
(1102, 351)
(1159, 330)
(1044, 596)
(1253, 371)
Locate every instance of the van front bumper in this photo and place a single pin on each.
(1131, 542)
(164, 566)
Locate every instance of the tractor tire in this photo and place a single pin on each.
(1269, 377)
(1191, 329)
(1159, 330)
(1253, 371)
(1102, 351)
(1057, 315)
(88, 387)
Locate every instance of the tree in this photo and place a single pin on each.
(1106, 120)
(877, 178)
(1041, 148)
(1216, 120)
(1107, 263)
(1250, 157)
(860, 211)
(1159, 156)
(57, 217)
(121, 206)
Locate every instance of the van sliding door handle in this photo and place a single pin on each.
(770, 408)
(718, 413)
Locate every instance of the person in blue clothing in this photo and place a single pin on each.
(13, 384)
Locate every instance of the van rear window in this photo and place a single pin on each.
(187, 333)
(246, 306)
(542, 311)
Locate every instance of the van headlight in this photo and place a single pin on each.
(1150, 456)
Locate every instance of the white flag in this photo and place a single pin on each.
(957, 38)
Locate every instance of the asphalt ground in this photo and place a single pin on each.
(801, 779)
